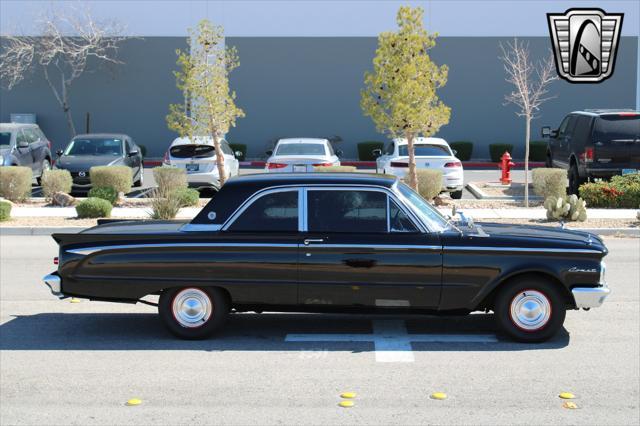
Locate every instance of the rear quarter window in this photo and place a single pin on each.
(617, 128)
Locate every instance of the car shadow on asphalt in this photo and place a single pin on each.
(250, 332)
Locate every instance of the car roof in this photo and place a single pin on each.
(239, 188)
(602, 111)
(303, 140)
(102, 135)
(432, 141)
(16, 126)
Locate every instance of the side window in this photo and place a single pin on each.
(277, 212)
(389, 149)
(347, 211)
(567, 125)
(398, 219)
(581, 132)
(226, 149)
(127, 146)
(31, 135)
(21, 137)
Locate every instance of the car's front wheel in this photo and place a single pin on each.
(456, 195)
(193, 312)
(140, 181)
(530, 309)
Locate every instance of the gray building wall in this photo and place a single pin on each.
(310, 86)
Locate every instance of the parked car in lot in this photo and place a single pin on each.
(301, 155)
(595, 144)
(198, 158)
(25, 145)
(100, 149)
(333, 242)
(431, 153)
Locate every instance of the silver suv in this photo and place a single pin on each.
(25, 145)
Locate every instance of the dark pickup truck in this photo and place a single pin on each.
(595, 144)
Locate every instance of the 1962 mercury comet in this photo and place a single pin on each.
(333, 243)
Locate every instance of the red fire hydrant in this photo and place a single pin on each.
(505, 165)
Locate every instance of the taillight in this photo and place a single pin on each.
(165, 159)
(55, 260)
(323, 165)
(628, 114)
(399, 164)
(587, 156)
(49, 143)
(275, 165)
(453, 164)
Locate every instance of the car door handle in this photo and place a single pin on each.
(360, 263)
(313, 240)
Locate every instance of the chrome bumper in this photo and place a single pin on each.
(590, 297)
(54, 283)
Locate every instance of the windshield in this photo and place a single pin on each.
(427, 213)
(110, 147)
(426, 150)
(617, 128)
(301, 149)
(5, 138)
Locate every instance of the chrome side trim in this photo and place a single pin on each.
(377, 246)
(54, 283)
(521, 249)
(90, 250)
(590, 297)
(200, 227)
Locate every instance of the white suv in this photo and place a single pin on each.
(431, 153)
(198, 158)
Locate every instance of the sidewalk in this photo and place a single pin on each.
(190, 212)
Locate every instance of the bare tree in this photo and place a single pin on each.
(66, 40)
(530, 81)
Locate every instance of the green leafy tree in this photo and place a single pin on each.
(203, 77)
(400, 94)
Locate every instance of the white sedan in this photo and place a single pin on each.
(198, 159)
(301, 155)
(431, 153)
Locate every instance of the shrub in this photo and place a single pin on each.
(187, 197)
(93, 208)
(239, 147)
(169, 179)
(164, 207)
(365, 148)
(566, 207)
(537, 151)
(429, 183)
(119, 178)
(463, 149)
(550, 182)
(15, 183)
(497, 149)
(620, 192)
(105, 193)
(335, 169)
(5, 211)
(56, 181)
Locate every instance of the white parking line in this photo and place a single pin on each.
(391, 341)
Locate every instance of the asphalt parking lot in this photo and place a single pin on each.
(78, 363)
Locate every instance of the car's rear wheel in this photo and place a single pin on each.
(530, 309)
(193, 312)
(456, 195)
(574, 179)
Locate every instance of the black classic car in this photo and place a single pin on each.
(100, 149)
(322, 242)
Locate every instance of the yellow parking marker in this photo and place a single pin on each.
(570, 405)
(438, 395)
(346, 404)
(348, 395)
(134, 401)
(74, 300)
(567, 395)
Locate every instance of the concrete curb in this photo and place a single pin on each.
(43, 230)
(481, 195)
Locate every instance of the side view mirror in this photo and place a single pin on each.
(238, 153)
(23, 144)
(339, 153)
(546, 132)
(269, 152)
(59, 153)
(133, 153)
(376, 152)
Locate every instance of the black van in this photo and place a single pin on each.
(595, 144)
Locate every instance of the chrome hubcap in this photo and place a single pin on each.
(192, 308)
(530, 310)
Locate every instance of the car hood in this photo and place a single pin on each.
(534, 236)
(5, 151)
(75, 163)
